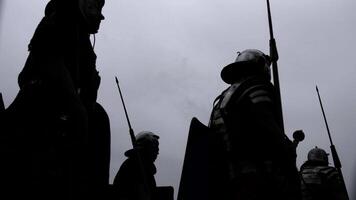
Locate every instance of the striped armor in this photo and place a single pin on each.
(321, 183)
(254, 151)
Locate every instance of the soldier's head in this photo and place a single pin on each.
(319, 156)
(87, 12)
(148, 143)
(91, 11)
(250, 62)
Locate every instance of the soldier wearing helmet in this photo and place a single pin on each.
(135, 179)
(319, 181)
(57, 99)
(318, 155)
(251, 157)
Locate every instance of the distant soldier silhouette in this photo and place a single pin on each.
(136, 174)
(252, 158)
(319, 180)
(54, 144)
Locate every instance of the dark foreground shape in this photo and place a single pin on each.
(99, 152)
(2, 106)
(47, 146)
(194, 179)
(164, 193)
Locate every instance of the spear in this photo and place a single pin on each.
(337, 162)
(274, 59)
(134, 144)
(132, 134)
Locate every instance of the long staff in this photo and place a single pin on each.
(337, 162)
(132, 134)
(134, 145)
(274, 59)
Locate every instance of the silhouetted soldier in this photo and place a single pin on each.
(319, 180)
(135, 179)
(252, 157)
(58, 91)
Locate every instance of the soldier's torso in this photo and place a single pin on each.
(53, 46)
(233, 119)
(320, 183)
(129, 182)
(253, 149)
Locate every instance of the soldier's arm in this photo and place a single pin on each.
(262, 108)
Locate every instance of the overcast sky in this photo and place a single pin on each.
(168, 55)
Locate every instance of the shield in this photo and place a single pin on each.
(194, 178)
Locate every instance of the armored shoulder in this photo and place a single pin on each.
(328, 172)
(254, 91)
(261, 93)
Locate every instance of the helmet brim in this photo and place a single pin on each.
(234, 71)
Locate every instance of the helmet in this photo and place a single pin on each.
(64, 8)
(318, 155)
(148, 142)
(249, 62)
(147, 139)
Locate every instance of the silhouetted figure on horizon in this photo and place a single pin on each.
(135, 179)
(319, 180)
(51, 142)
(252, 158)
